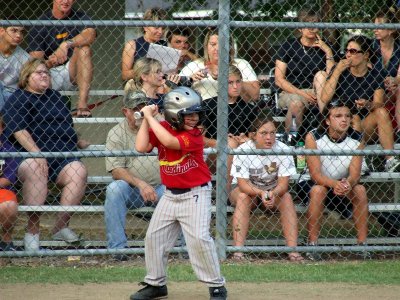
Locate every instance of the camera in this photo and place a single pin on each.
(183, 81)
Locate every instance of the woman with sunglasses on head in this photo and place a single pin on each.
(138, 48)
(362, 88)
(301, 65)
(263, 180)
(37, 120)
(335, 177)
(149, 78)
(204, 71)
(387, 51)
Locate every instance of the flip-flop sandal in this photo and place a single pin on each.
(295, 257)
(83, 113)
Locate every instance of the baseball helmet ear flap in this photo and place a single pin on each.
(179, 102)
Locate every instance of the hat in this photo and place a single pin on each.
(134, 98)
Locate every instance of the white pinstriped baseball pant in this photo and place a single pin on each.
(190, 211)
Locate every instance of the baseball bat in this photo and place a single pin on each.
(98, 103)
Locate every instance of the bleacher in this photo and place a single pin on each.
(101, 181)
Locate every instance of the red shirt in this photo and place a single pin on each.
(184, 168)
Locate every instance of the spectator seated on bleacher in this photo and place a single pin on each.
(8, 199)
(137, 180)
(204, 71)
(263, 180)
(37, 120)
(148, 78)
(300, 66)
(361, 86)
(138, 48)
(11, 59)
(67, 51)
(178, 38)
(240, 116)
(335, 178)
(387, 52)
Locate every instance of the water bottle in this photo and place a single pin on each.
(301, 158)
(293, 133)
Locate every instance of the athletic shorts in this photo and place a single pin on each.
(332, 202)
(286, 98)
(56, 165)
(60, 79)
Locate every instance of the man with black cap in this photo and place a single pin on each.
(136, 178)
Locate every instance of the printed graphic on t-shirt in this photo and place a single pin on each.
(264, 178)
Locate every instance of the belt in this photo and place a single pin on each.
(177, 191)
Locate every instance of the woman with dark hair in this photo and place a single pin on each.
(387, 51)
(362, 89)
(204, 71)
(263, 180)
(37, 120)
(335, 177)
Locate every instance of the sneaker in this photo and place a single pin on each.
(218, 293)
(4, 246)
(392, 165)
(364, 254)
(365, 171)
(120, 257)
(313, 255)
(31, 242)
(150, 292)
(66, 235)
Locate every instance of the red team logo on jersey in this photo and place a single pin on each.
(180, 168)
(185, 141)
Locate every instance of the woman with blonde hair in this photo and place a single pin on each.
(37, 120)
(204, 71)
(149, 78)
(135, 49)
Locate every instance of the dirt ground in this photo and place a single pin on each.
(187, 290)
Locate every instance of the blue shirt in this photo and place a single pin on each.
(8, 166)
(350, 88)
(45, 116)
(302, 62)
(49, 38)
(393, 64)
(241, 115)
(142, 47)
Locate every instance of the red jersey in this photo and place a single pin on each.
(184, 168)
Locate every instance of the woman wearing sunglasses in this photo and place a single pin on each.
(362, 88)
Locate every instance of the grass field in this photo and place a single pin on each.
(255, 280)
(360, 272)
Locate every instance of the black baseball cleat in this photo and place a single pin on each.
(218, 293)
(151, 292)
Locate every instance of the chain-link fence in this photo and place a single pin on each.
(302, 97)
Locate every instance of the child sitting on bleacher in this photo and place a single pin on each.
(8, 199)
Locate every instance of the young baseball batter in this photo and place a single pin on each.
(186, 203)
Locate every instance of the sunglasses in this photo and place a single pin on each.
(353, 51)
(336, 103)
